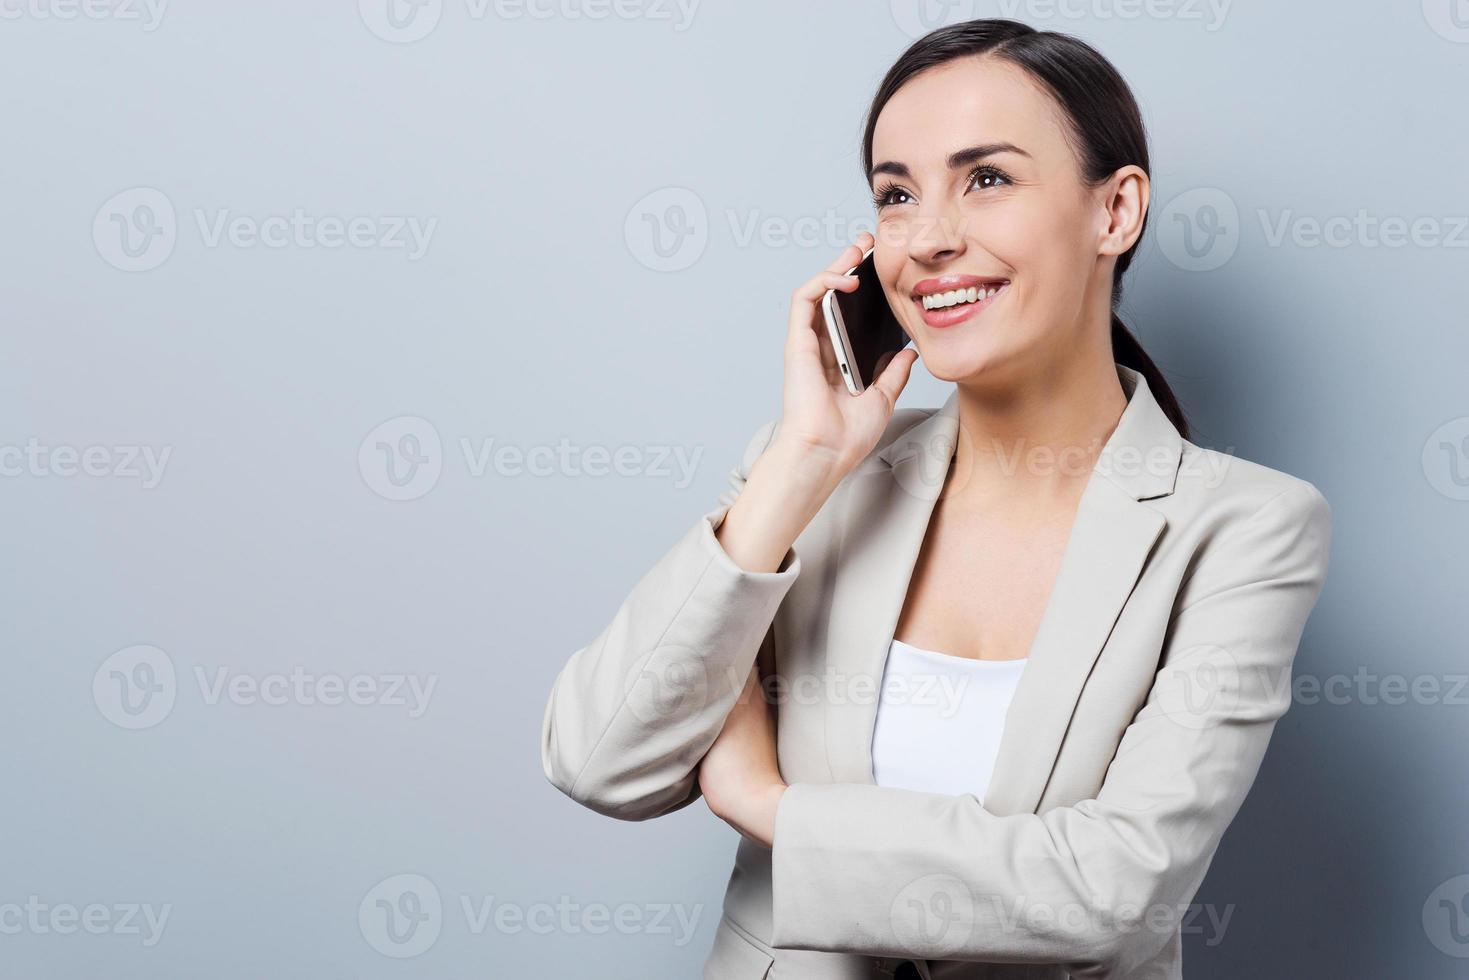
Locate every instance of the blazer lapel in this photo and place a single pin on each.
(882, 525)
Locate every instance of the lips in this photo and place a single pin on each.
(947, 300)
(944, 284)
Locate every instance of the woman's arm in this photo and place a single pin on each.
(885, 871)
(630, 715)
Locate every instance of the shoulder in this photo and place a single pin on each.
(1237, 517)
(1232, 488)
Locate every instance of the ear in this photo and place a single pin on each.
(1124, 204)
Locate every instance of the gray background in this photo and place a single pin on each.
(542, 310)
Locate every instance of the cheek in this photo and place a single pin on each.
(1016, 232)
(1038, 241)
(889, 264)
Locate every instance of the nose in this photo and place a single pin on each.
(937, 237)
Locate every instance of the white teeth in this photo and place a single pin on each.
(954, 297)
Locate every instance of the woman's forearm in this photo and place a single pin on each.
(786, 488)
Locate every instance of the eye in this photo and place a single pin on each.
(885, 194)
(988, 172)
(984, 177)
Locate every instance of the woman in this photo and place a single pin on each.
(1117, 608)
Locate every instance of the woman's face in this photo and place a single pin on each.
(954, 215)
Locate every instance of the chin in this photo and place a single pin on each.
(958, 365)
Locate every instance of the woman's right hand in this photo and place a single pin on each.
(819, 415)
(823, 433)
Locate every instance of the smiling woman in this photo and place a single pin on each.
(1130, 603)
(1074, 153)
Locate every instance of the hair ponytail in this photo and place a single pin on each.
(1127, 351)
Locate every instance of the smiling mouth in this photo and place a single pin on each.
(960, 297)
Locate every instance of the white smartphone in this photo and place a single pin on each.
(864, 332)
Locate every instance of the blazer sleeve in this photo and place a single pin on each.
(631, 714)
(1098, 886)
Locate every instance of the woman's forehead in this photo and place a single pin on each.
(964, 102)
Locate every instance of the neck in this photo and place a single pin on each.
(1035, 438)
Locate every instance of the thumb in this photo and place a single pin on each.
(894, 377)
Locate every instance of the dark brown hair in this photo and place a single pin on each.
(1107, 132)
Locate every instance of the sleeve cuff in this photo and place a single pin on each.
(843, 879)
(790, 564)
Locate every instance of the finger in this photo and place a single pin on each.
(852, 254)
(814, 288)
(894, 377)
(803, 331)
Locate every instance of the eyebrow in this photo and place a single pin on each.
(957, 159)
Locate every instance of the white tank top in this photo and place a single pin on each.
(939, 719)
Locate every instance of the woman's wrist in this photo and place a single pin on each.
(799, 477)
(786, 488)
(756, 819)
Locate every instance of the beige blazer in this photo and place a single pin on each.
(1161, 666)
